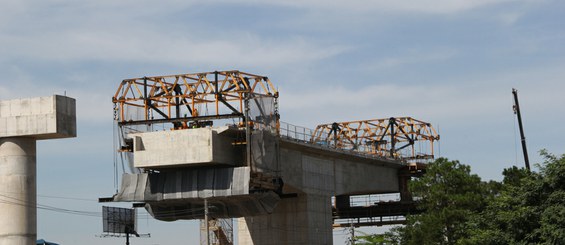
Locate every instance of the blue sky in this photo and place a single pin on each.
(449, 62)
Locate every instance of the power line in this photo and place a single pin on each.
(59, 197)
(16, 201)
(68, 198)
(189, 213)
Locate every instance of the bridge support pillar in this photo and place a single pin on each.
(22, 122)
(306, 219)
(18, 190)
(405, 195)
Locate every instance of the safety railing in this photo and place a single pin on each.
(296, 133)
(305, 135)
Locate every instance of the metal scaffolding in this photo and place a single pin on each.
(187, 97)
(399, 138)
(218, 232)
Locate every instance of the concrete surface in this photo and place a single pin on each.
(306, 219)
(40, 118)
(17, 191)
(184, 190)
(316, 174)
(198, 146)
(22, 122)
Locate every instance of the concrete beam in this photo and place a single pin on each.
(39, 118)
(178, 148)
(317, 171)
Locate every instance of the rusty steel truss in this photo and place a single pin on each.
(177, 98)
(392, 137)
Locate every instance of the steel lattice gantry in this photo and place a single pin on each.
(175, 98)
(394, 137)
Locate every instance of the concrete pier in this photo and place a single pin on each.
(22, 122)
(18, 191)
(315, 174)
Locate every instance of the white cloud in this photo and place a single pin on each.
(468, 101)
(382, 101)
(411, 57)
(474, 112)
(509, 18)
(423, 6)
(420, 6)
(92, 106)
(159, 46)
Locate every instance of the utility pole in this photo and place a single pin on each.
(206, 221)
(517, 112)
(352, 230)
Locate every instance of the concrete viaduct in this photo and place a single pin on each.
(283, 198)
(215, 138)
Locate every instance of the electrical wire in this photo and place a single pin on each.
(15, 201)
(187, 213)
(55, 197)
(68, 198)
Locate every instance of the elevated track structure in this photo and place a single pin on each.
(216, 138)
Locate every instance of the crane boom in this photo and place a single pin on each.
(522, 136)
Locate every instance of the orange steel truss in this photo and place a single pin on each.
(392, 137)
(173, 95)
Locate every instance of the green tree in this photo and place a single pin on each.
(390, 237)
(529, 209)
(511, 216)
(449, 196)
(457, 208)
(552, 216)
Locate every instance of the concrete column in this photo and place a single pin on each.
(22, 122)
(306, 219)
(18, 222)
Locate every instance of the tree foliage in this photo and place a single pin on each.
(449, 195)
(388, 238)
(458, 208)
(530, 208)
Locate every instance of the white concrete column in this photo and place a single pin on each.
(18, 189)
(22, 122)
